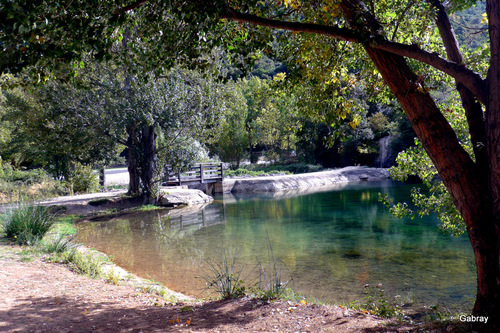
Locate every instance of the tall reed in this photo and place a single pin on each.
(272, 283)
(224, 275)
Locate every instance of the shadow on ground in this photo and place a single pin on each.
(62, 314)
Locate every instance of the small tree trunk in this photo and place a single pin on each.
(133, 155)
(253, 158)
(149, 166)
(102, 178)
(134, 180)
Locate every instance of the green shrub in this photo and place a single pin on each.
(301, 168)
(26, 176)
(245, 172)
(283, 168)
(85, 180)
(36, 184)
(242, 172)
(278, 172)
(26, 225)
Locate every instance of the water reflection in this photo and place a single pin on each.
(333, 241)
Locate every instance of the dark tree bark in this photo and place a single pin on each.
(143, 163)
(102, 178)
(133, 162)
(149, 165)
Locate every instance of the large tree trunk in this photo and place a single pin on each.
(488, 294)
(487, 284)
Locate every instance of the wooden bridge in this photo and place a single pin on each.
(203, 173)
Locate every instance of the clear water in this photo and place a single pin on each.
(330, 242)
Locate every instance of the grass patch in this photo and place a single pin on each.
(117, 187)
(112, 277)
(27, 224)
(147, 208)
(82, 263)
(376, 302)
(65, 225)
(26, 257)
(160, 290)
(288, 294)
(151, 286)
(57, 243)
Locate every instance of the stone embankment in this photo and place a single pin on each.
(314, 179)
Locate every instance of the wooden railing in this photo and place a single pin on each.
(201, 173)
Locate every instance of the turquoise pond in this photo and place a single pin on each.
(329, 242)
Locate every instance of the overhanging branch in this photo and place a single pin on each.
(459, 72)
(331, 31)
